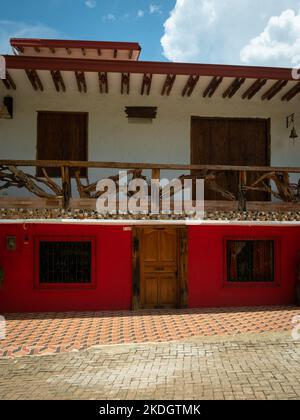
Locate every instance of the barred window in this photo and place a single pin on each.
(250, 261)
(65, 262)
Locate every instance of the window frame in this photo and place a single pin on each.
(61, 286)
(277, 263)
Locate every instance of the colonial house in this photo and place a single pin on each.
(74, 113)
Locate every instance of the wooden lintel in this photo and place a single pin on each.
(81, 82)
(8, 82)
(146, 84)
(103, 82)
(292, 92)
(274, 90)
(58, 80)
(190, 85)
(234, 87)
(34, 79)
(168, 84)
(125, 83)
(212, 87)
(254, 88)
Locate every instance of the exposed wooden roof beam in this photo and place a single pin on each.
(146, 84)
(115, 53)
(81, 82)
(69, 51)
(234, 87)
(212, 87)
(276, 88)
(125, 83)
(52, 50)
(83, 51)
(37, 49)
(58, 80)
(168, 85)
(190, 85)
(130, 55)
(254, 88)
(8, 82)
(99, 52)
(292, 92)
(34, 79)
(103, 82)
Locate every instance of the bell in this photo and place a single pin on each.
(293, 134)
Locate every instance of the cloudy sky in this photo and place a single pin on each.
(252, 32)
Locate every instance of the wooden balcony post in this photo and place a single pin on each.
(66, 186)
(242, 191)
(155, 191)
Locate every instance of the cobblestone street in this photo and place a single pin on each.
(253, 366)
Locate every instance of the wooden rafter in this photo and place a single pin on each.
(58, 80)
(292, 92)
(234, 87)
(81, 82)
(190, 85)
(146, 84)
(115, 53)
(83, 51)
(125, 83)
(254, 88)
(212, 87)
(69, 51)
(99, 52)
(103, 82)
(34, 79)
(276, 88)
(52, 50)
(8, 82)
(37, 50)
(168, 84)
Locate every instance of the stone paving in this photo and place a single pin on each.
(255, 366)
(51, 333)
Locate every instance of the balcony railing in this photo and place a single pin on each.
(272, 181)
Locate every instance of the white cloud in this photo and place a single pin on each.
(110, 17)
(215, 31)
(154, 8)
(141, 13)
(279, 43)
(12, 29)
(91, 4)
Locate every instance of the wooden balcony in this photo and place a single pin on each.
(72, 191)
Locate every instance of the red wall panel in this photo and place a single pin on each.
(113, 271)
(207, 267)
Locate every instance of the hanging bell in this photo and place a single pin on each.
(293, 134)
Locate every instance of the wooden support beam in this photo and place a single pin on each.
(81, 82)
(212, 87)
(190, 85)
(83, 51)
(34, 79)
(276, 88)
(103, 82)
(99, 52)
(168, 85)
(8, 82)
(234, 87)
(125, 83)
(115, 53)
(146, 84)
(291, 93)
(254, 88)
(58, 80)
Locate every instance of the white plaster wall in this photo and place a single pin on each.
(112, 138)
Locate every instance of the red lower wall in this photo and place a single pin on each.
(113, 288)
(207, 285)
(113, 276)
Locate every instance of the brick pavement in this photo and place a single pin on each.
(32, 334)
(255, 366)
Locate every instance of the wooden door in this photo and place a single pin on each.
(233, 142)
(159, 268)
(62, 136)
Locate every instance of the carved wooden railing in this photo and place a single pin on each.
(250, 179)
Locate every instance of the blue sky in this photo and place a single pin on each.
(252, 32)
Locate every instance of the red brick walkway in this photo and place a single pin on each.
(48, 333)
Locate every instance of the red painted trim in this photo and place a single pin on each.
(59, 43)
(277, 265)
(116, 66)
(61, 286)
